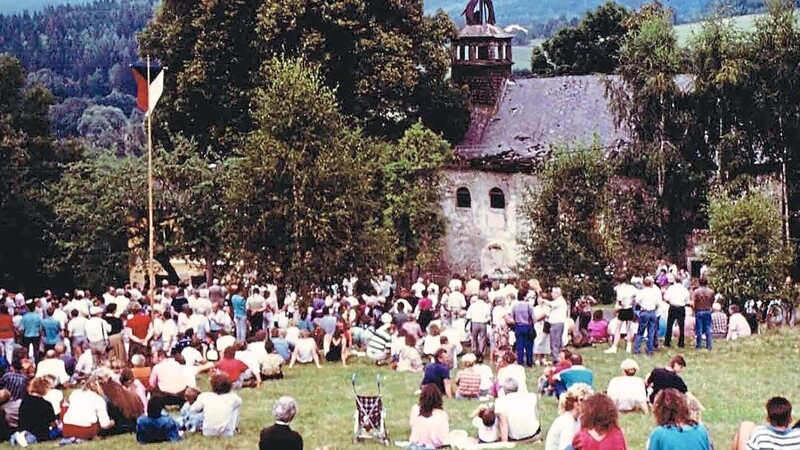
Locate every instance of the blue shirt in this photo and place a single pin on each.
(576, 374)
(328, 323)
(436, 373)
(685, 438)
(239, 306)
(282, 348)
(51, 328)
(31, 324)
(162, 429)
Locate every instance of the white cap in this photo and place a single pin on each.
(468, 358)
(629, 364)
(386, 318)
(95, 310)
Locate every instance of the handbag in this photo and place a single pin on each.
(546, 327)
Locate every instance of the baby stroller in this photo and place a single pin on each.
(370, 416)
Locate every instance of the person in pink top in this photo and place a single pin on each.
(599, 425)
(429, 423)
(598, 327)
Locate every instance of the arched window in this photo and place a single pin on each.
(497, 200)
(463, 198)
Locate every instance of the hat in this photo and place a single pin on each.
(95, 310)
(716, 307)
(468, 358)
(649, 278)
(386, 318)
(629, 364)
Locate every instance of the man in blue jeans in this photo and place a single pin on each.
(648, 299)
(702, 300)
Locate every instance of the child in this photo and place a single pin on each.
(487, 377)
(191, 421)
(598, 328)
(485, 420)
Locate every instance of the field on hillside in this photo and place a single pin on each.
(733, 382)
(522, 55)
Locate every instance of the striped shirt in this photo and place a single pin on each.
(16, 383)
(765, 437)
(469, 383)
(379, 343)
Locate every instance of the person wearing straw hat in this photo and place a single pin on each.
(628, 391)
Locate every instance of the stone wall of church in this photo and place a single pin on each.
(481, 239)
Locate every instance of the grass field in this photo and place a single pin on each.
(733, 382)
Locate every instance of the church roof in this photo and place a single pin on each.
(535, 114)
(483, 31)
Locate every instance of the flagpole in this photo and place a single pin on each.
(151, 231)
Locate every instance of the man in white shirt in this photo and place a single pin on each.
(456, 302)
(52, 366)
(628, 391)
(479, 313)
(418, 287)
(473, 286)
(559, 310)
(626, 294)
(649, 300)
(97, 331)
(517, 413)
(455, 284)
(678, 297)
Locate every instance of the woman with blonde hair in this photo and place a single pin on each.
(566, 425)
(36, 414)
(87, 413)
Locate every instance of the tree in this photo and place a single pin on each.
(748, 256)
(30, 162)
(300, 197)
(411, 178)
(593, 45)
(570, 242)
(386, 61)
(540, 65)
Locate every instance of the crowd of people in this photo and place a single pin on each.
(127, 358)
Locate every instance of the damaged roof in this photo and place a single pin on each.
(536, 114)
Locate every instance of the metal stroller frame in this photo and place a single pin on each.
(370, 416)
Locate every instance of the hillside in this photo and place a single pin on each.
(525, 12)
(15, 6)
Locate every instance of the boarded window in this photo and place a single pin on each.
(497, 200)
(463, 198)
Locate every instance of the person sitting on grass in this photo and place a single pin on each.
(280, 436)
(36, 414)
(168, 378)
(775, 435)
(599, 426)
(87, 412)
(156, 426)
(191, 421)
(271, 363)
(667, 377)
(577, 373)
(485, 421)
(517, 413)
(487, 377)
(598, 328)
(428, 422)
(676, 429)
(220, 408)
(566, 425)
(628, 391)
(236, 371)
(305, 351)
(409, 358)
(438, 373)
(468, 381)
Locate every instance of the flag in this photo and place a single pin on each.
(148, 94)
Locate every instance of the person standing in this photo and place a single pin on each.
(31, 327)
(648, 299)
(557, 316)
(702, 300)
(6, 333)
(239, 305)
(678, 297)
(626, 294)
(524, 317)
(478, 314)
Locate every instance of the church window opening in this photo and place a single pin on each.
(497, 200)
(483, 52)
(463, 198)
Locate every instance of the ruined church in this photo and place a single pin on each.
(515, 123)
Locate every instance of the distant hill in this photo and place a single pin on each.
(526, 12)
(17, 6)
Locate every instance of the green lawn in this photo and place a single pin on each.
(733, 382)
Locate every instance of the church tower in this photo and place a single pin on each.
(481, 55)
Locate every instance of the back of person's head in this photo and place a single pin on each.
(39, 386)
(154, 407)
(269, 347)
(111, 308)
(284, 409)
(5, 396)
(434, 330)
(576, 359)
(677, 359)
(488, 417)
(779, 412)
(572, 398)
(734, 309)
(230, 351)
(138, 360)
(695, 408)
(671, 409)
(509, 358)
(444, 340)
(597, 315)
(703, 281)
(74, 313)
(599, 413)
(221, 384)
(510, 385)
(430, 398)
(411, 340)
(190, 394)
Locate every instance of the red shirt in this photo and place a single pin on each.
(233, 368)
(613, 440)
(425, 304)
(139, 324)
(6, 327)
